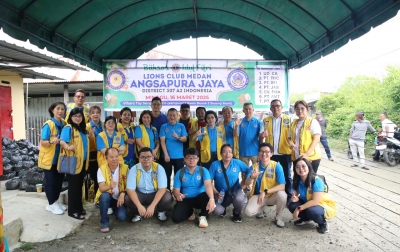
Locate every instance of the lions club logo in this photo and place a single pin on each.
(238, 79)
(116, 79)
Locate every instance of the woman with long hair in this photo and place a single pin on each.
(146, 134)
(310, 199)
(304, 136)
(48, 156)
(127, 130)
(75, 142)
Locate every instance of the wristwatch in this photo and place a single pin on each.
(266, 191)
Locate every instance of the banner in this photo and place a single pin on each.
(212, 84)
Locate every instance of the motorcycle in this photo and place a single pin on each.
(391, 154)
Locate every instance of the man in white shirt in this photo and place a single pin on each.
(387, 126)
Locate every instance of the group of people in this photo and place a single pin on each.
(215, 164)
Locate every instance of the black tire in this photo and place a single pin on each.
(389, 158)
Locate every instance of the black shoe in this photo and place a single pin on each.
(223, 214)
(237, 218)
(323, 228)
(301, 222)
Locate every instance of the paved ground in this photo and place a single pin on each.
(367, 220)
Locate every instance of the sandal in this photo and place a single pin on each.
(77, 216)
(105, 229)
(353, 165)
(83, 212)
(365, 168)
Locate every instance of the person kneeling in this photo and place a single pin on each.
(147, 186)
(269, 186)
(192, 189)
(310, 203)
(112, 182)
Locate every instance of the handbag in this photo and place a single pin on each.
(231, 193)
(67, 164)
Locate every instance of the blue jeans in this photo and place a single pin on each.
(315, 213)
(324, 142)
(106, 201)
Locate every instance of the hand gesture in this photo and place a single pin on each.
(191, 131)
(210, 206)
(292, 146)
(304, 155)
(296, 214)
(149, 212)
(174, 135)
(131, 141)
(295, 198)
(264, 134)
(56, 140)
(180, 197)
(121, 199)
(255, 174)
(260, 200)
(113, 183)
(72, 147)
(166, 158)
(238, 121)
(199, 133)
(142, 210)
(92, 130)
(154, 152)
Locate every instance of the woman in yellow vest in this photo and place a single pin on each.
(127, 130)
(109, 138)
(310, 198)
(210, 138)
(75, 141)
(94, 127)
(304, 136)
(146, 135)
(48, 157)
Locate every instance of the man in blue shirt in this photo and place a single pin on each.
(147, 186)
(192, 189)
(159, 118)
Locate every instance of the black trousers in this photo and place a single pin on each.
(53, 184)
(75, 183)
(284, 160)
(184, 209)
(213, 158)
(92, 171)
(177, 163)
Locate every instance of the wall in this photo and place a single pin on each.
(17, 93)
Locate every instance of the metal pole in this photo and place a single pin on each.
(26, 111)
(66, 95)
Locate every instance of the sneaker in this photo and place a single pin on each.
(192, 217)
(237, 218)
(331, 159)
(301, 222)
(162, 216)
(54, 208)
(279, 222)
(223, 214)
(203, 222)
(97, 205)
(323, 228)
(137, 218)
(110, 211)
(61, 206)
(261, 214)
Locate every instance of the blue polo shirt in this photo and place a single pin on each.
(46, 136)
(138, 133)
(248, 136)
(318, 186)
(145, 184)
(159, 121)
(232, 172)
(101, 145)
(191, 184)
(174, 146)
(97, 128)
(212, 134)
(279, 175)
(130, 133)
(66, 134)
(229, 132)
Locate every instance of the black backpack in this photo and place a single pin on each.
(322, 177)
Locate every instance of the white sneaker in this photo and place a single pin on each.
(162, 216)
(110, 211)
(137, 218)
(203, 222)
(279, 222)
(61, 206)
(54, 208)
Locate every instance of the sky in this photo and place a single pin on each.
(367, 55)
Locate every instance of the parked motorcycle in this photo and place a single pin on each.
(391, 154)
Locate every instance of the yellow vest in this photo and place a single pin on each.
(123, 171)
(46, 154)
(306, 139)
(235, 139)
(92, 140)
(85, 111)
(268, 179)
(326, 202)
(205, 145)
(101, 158)
(194, 127)
(146, 138)
(283, 144)
(121, 130)
(154, 168)
(78, 151)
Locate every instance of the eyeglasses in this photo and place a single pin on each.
(77, 116)
(227, 152)
(275, 106)
(264, 152)
(80, 96)
(191, 158)
(301, 167)
(146, 157)
(110, 122)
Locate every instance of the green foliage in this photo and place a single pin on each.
(27, 246)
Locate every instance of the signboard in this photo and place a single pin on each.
(212, 84)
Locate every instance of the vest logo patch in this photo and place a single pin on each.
(117, 139)
(286, 121)
(166, 130)
(219, 170)
(198, 177)
(266, 123)
(268, 175)
(184, 179)
(154, 175)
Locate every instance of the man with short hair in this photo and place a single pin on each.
(159, 118)
(228, 129)
(277, 131)
(357, 137)
(323, 139)
(192, 189)
(185, 119)
(79, 100)
(147, 186)
(194, 126)
(268, 187)
(387, 126)
(112, 183)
